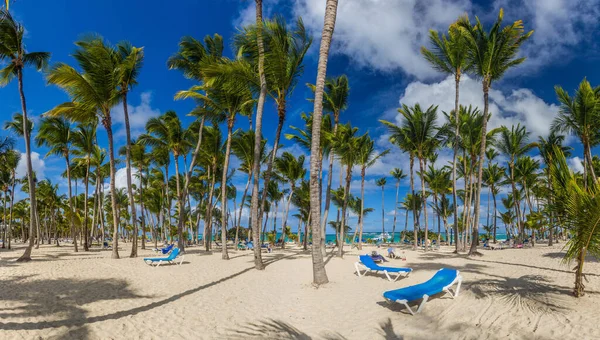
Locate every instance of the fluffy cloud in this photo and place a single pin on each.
(576, 164)
(38, 164)
(121, 179)
(518, 106)
(384, 35)
(138, 115)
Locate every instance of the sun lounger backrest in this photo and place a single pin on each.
(173, 254)
(368, 262)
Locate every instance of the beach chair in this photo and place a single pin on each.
(157, 261)
(369, 265)
(166, 249)
(440, 282)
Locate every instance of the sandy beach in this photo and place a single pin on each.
(506, 294)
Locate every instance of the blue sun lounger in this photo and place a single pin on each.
(166, 249)
(440, 282)
(369, 265)
(157, 261)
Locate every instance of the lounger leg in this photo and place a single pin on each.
(425, 298)
(405, 303)
(357, 266)
(158, 264)
(458, 286)
(388, 276)
(180, 262)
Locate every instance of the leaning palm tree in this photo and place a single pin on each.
(130, 63)
(57, 135)
(366, 158)
(449, 55)
(319, 274)
(546, 147)
(398, 175)
(579, 115)
(491, 54)
(12, 49)
(94, 92)
(493, 176)
(381, 182)
(578, 208)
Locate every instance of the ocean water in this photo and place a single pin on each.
(330, 238)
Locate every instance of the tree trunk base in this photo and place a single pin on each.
(475, 253)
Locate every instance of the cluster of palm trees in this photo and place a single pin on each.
(542, 200)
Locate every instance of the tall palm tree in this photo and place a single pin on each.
(493, 176)
(94, 93)
(57, 135)
(449, 55)
(291, 170)
(84, 142)
(546, 147)
(319, 273)
(366, 158)
(491, 54)
(381, 182)
(12, 49)
(335, 100)
(419, 127)
(11, 161)
(345, 143)
(167, 133)
(514, 143)
(398, 175)
(190, 59)
(579, 115)
(130, 63)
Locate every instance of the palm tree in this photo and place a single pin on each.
(57, 135)
(398, 175)
(11, 160)
(167, 133)
(419, 127)
(439, 186)
(335, 100)
(491, 54)
(580, 116)
(190, 59)
(366, 158)
(546, 147)
(84, 141)
(514, 143)
(131, 59)
(493, 176)
(578, 208)
(319, 274)
(93, 95)
(13, 50)
(292, 170)
(345, 143)
(449, 55)
(381, 182)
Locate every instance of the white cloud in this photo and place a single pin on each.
(247, 15)
(121, 179)
(138, 115)
(576, 164)
(518, 106)
(37, 163)
(384, 35)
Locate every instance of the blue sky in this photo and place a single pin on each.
(376, 44)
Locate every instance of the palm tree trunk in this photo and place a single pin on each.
(344, 209)
(578, 291)
(237, 228)
(414, 208)
(30, 175)
(285, 216)
(180, 242)
(143, 218)
(209, 209)
(435, 202)
(167, 214)
(475, 237)
(382, 211)
(362, 206)
(85, 207)
(224, 254)
(132, 210)
(12, 202)
(422, 167)
(71, 211)
(336, 118)
(268, 172)
(254, 205)
(495, 212)
(454, 156)
(113, 195)
(395, 211)
(4, 220)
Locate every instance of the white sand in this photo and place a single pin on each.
(506, 294)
